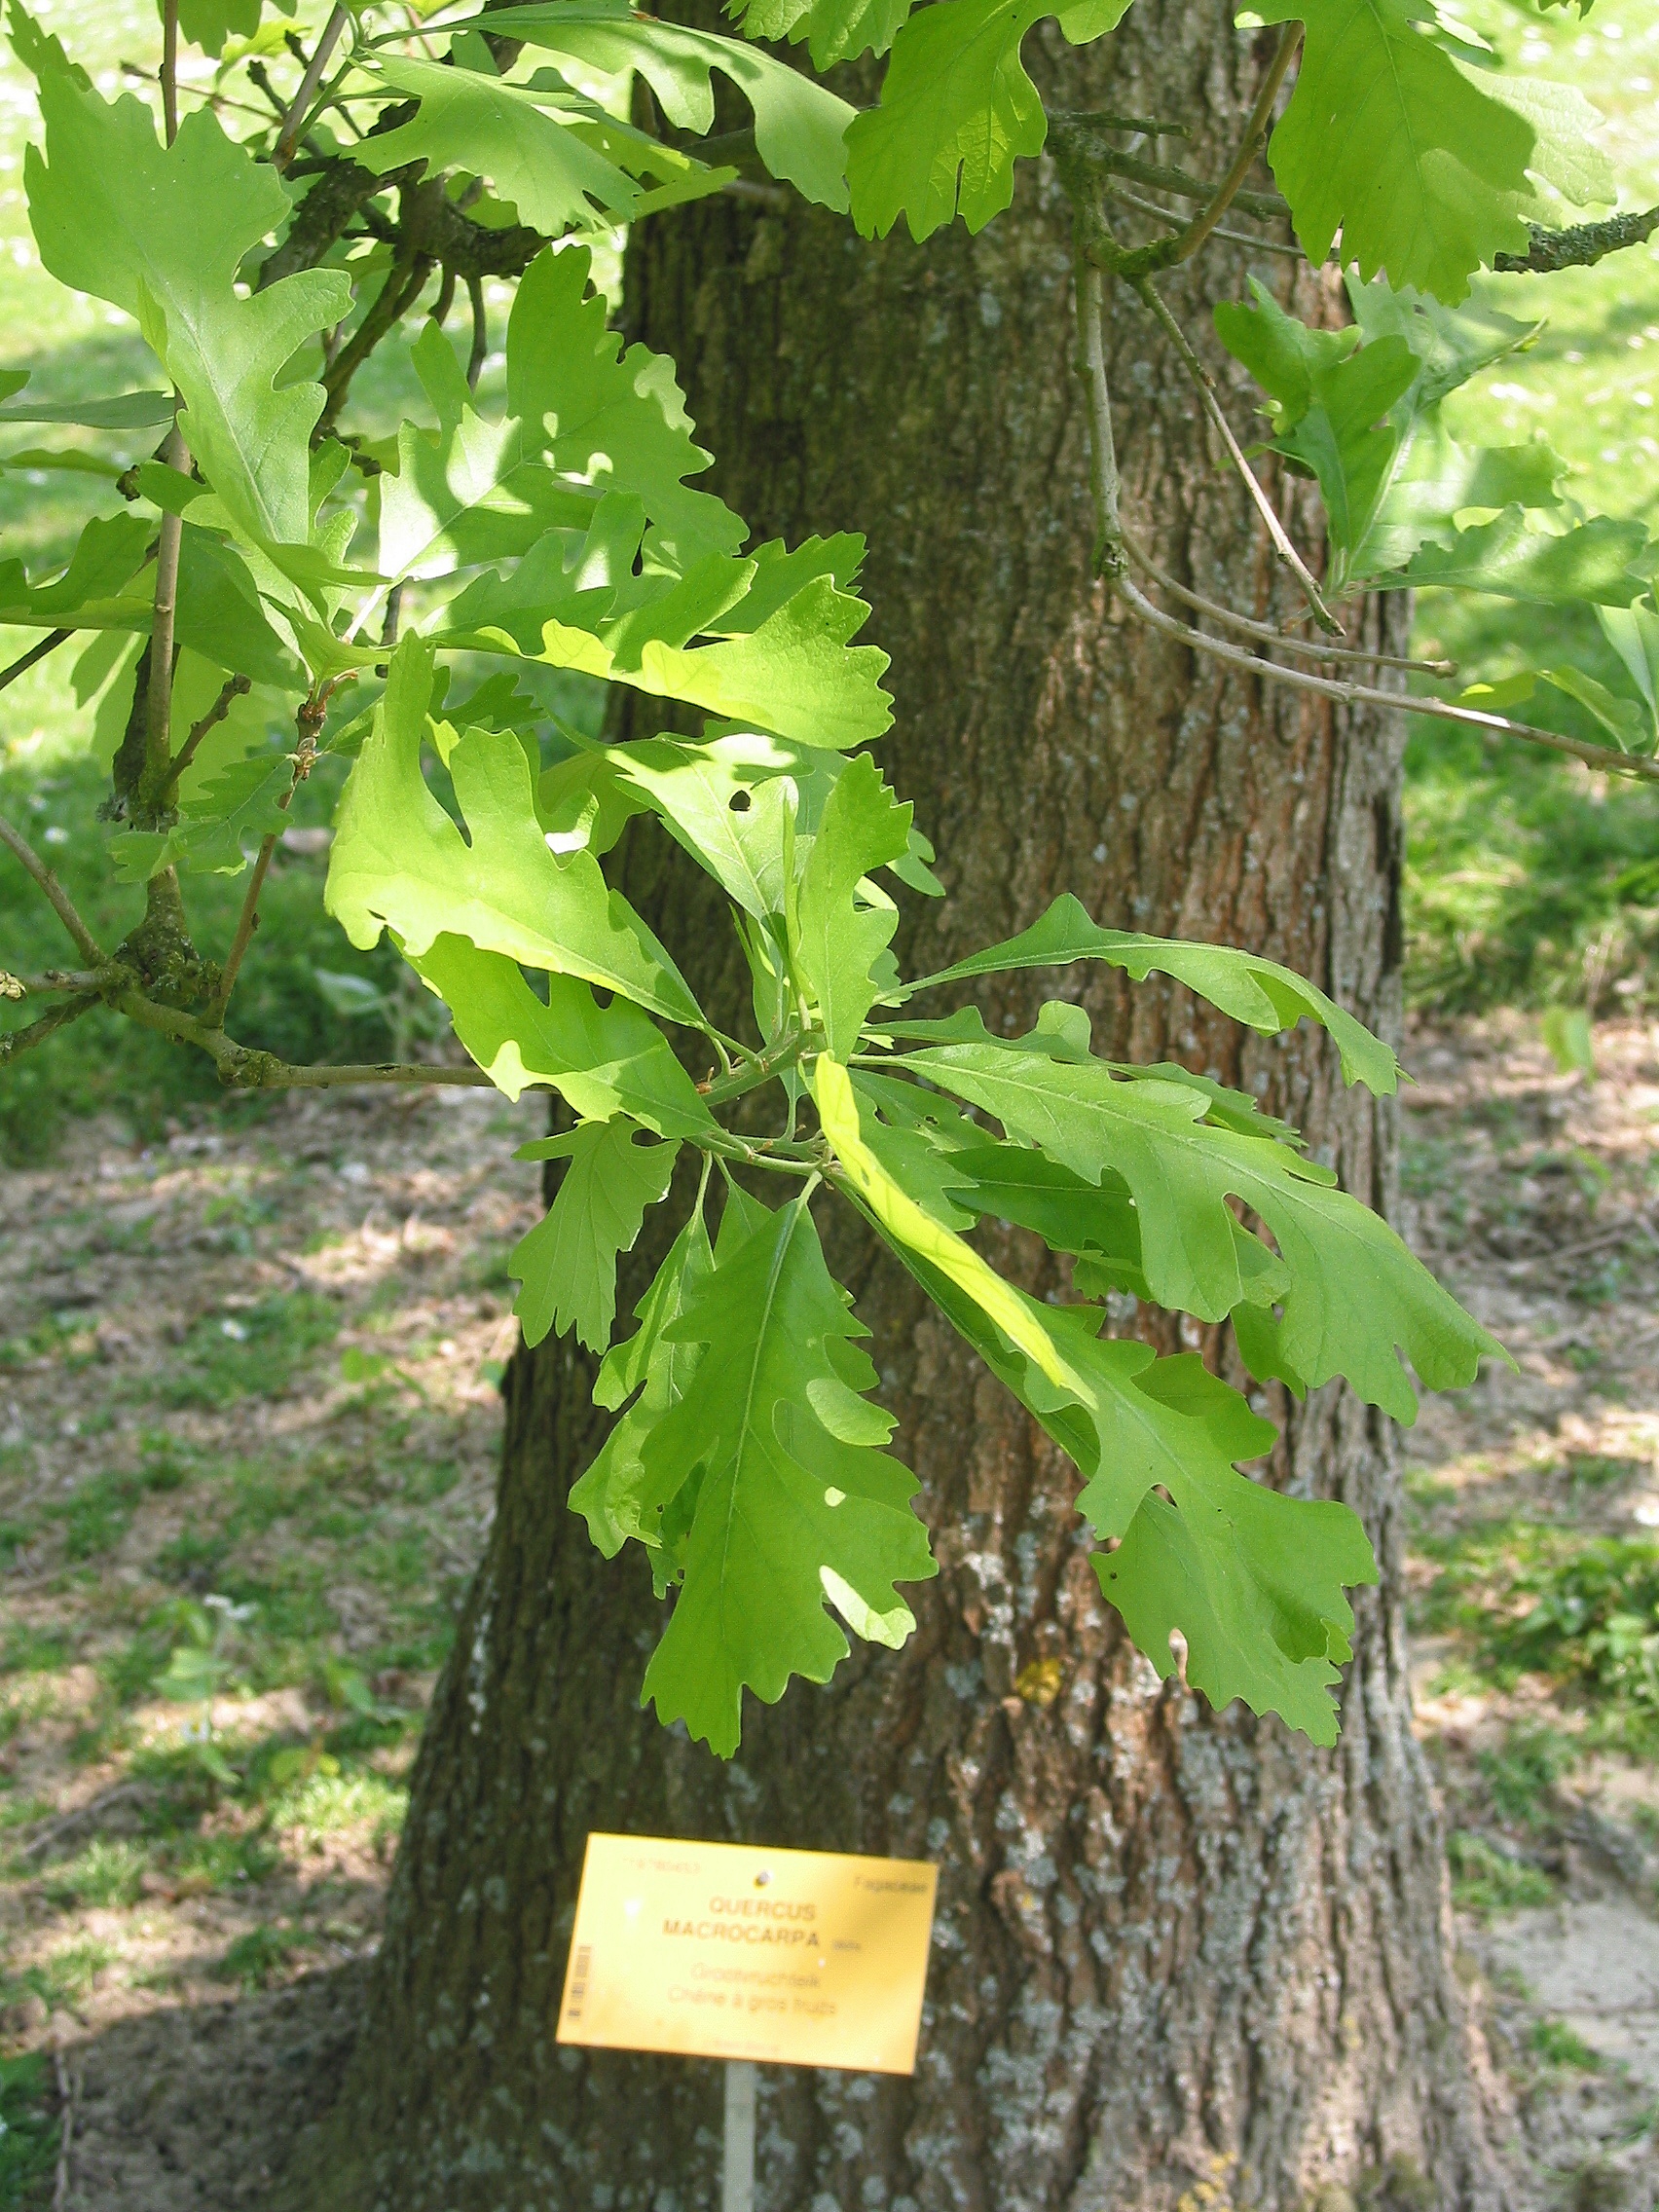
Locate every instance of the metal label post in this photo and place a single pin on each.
(737, 2184)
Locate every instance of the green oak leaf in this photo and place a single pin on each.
(160, 233)
(1363, 417)
(653, 1370)
(603, 1060)
(799, 126)
(1253, 1582)
(510, 134)
(473, 489)
(108, 554)
(1389, 141)
(208, 24)
(1601, 563)
(567, 1262)
(845, 923)
(956, 109)
(615, 420)
(218, 823)
(770, 1464)
(1354, 1292)
(834, 30)
(128, 411)
(1253, 990)
(399, 862)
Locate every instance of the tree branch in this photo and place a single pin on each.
(62, 905)
(243, 1068)
(1264, 631)
(25, 661)
(14, 1043)
(158, 687)
(1604, 757)
(1252, 239)
(235, 687)
(170, 69)
(287, 138)
(1580, 246)
(1205, 383)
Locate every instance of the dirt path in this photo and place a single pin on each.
(247, 1432)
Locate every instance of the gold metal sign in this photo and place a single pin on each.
(719, 1950)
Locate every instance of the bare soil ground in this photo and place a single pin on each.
(247, 1434)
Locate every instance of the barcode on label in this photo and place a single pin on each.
(579, 1982)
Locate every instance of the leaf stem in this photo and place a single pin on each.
(288, 138)
(158, 693)
(62, 905)
(170, 69)
(770, 1063)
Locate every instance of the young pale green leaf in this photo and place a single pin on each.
(834, 31)
(1255, 991)
(208, 24)
(1389, 141)
(603, 1060)
(615, 420)
(1364, 419)
(1598, 562)
(845, 923)
(108, 554)
(513, 135)
(471, 490)
(659, 1369)
(568, 1263)
(1355, 1293)
(218, 824)
(1253, 1582)
(399, 862)
(128, 411)
(770, 1464)
(956, 110)
(799, 126)
(160, 233)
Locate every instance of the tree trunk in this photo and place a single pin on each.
(1173, 1946)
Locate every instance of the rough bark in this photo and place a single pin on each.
(1173, 1947)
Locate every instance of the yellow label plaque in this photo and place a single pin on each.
(719, 1950)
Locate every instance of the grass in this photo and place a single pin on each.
(1556, 2044)
(28, 2132)
(1527, 881)
(1486, 1880)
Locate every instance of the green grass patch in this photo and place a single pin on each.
(255, 1960)
(1484, 1880)
(108, 1873)
(256, 1353)
(1555, 2042)
(1521, 1777)
(28, 2132)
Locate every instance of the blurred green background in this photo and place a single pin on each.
(1529, 881)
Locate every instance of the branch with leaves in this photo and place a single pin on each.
(284, 585)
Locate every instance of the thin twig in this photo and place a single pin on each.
(25, 661)
(158, 696)
(1255, 243)
(14, 1043)
(1206, 385)
(1580, 246)
(235, 687)
(86, 944)
(1102, 451)
(170, 69)
(58, 980)
(480, 333)
(88, 1812)
(1249, 146)
(1264, 631)
(310, 719)
(1599, 756)
(242, 1067)
(282, 153)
